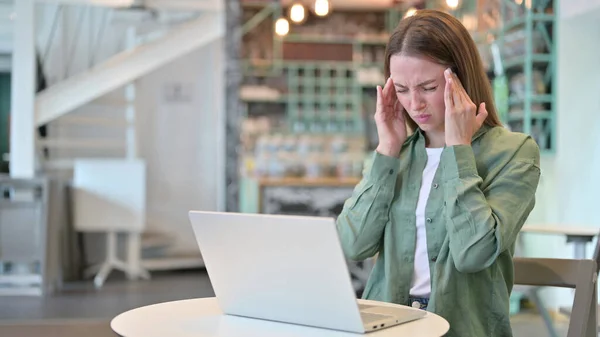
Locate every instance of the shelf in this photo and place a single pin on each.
(373, 40)
(347, 98)
(254, 4)
(369, 85)
(520, 21)
(320, 64)
(309, 182)
(516, 117)
(264, 100)
(521, 60)
(535, 99)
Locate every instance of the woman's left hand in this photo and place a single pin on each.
(462, 118)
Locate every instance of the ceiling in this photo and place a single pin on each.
(354, 4)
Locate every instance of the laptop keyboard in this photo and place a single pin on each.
(368, 317)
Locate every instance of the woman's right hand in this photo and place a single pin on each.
(390, 121)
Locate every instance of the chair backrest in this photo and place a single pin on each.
(565, 273)
(597, 253)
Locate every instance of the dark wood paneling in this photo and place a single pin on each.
(301, 51)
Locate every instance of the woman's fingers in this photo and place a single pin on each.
(482, 115)
(388, 91)
(456, 94)
(464, 97)
(379, 105)
(448, 93)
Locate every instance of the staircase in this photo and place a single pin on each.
(91, 64)
(90, 111)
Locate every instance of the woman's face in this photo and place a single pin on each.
(420, 87)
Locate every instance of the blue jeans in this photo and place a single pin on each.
(422, 302)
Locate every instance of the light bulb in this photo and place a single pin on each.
(410, 12)
(297, 13)
(321, 7)
(282, 27)
(452, 4)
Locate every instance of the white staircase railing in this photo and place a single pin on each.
(124, 68)
(76, 98)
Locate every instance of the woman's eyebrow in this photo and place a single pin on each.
(420, 84)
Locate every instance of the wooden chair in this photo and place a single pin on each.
(566, 273)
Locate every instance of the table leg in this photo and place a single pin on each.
(579, 245)
(579, 250)
(537, 301)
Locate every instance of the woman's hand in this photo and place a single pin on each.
(390, 121)
(462, 118)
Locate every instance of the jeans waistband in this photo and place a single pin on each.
(420, 301)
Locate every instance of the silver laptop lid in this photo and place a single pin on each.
(282, 268)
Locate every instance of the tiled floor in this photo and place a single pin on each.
(83, 311)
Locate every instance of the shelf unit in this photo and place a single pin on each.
(316, 95)
(515, 40)
(323, 97)
(527, 57)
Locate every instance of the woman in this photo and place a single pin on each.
(441, 207)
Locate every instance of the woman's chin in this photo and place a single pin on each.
(427, 127)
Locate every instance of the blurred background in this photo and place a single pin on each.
(117, 117)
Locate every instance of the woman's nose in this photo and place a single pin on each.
(416, 101)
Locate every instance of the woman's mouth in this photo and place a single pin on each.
(422, 118)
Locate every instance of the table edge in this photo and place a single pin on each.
(214, 299)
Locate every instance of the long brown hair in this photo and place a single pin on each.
(443, 39)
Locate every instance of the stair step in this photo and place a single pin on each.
(82, 143)
(101, 3)
(96, 121)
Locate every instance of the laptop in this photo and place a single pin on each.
(287, 269)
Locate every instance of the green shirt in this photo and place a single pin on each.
(480, 197)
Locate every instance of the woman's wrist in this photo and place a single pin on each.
(389, 150)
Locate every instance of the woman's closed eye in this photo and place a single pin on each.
(426, 89)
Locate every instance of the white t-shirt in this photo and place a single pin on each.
(421, 283)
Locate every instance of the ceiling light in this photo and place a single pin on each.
(282, 27)
(410, 12)
(452, 4)
(321, 7)
(297, 13)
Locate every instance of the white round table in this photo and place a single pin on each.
(203, 317)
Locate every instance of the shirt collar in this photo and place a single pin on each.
(482, 130)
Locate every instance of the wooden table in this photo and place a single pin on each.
(580, 236)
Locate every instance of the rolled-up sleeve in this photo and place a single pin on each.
(482, 223)
(365, 214)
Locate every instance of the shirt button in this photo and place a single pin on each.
(436, 186)
(429, 220)
(391, 171)
(433, 259)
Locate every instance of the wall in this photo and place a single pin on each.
(573, 8)
(578, 151)
(180, 141)
(568, 190)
